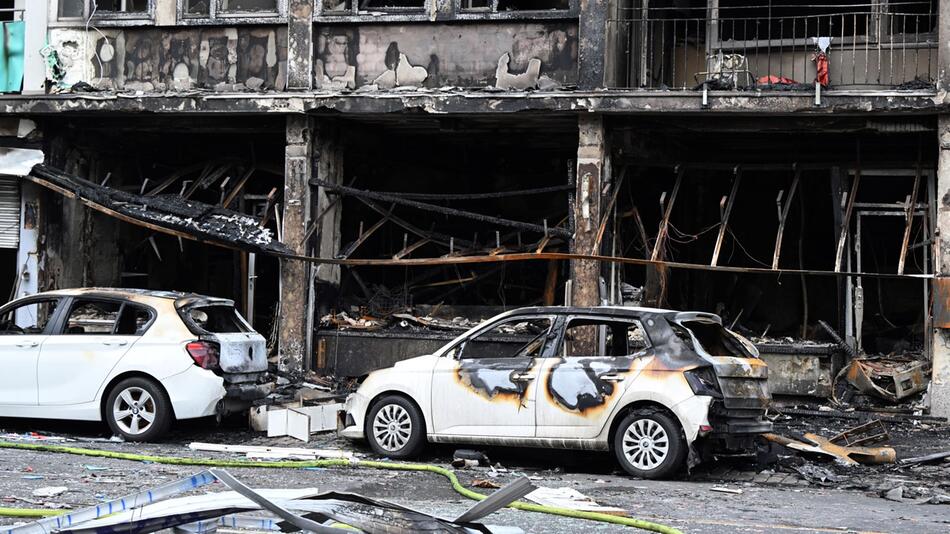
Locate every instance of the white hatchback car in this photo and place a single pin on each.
(135, 359)
(652, 385)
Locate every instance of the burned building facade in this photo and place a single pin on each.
(413, 166)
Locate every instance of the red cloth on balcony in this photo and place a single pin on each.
(822, 75)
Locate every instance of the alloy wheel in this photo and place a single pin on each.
(134, 410)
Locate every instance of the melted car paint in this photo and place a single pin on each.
(577, 384)
(491, 378)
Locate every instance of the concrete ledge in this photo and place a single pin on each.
(475, 102)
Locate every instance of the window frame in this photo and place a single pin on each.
(607, 319)
(456, 349)
(70, 303)
(493, 10)
(100, 18)
(34, 299)
(216, 15)
(456, 13)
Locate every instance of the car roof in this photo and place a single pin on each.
(606, 310)
(126, 293)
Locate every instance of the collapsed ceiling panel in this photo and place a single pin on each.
(170, 214)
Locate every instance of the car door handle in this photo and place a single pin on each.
(522, 377)
(118, 343)
(612, 377)
(27, 344)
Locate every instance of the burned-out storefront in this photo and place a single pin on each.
(793, 238)
(367, 180)
(139, 174)
(453, 187)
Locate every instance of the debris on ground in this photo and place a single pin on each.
(890, 378)
(721, 489)
(571, 499)
(307, 509)
(50, 491)
(272, 453)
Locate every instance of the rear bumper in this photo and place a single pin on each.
(240, 397)
(736, 429)
(194, 393)
(249, 391)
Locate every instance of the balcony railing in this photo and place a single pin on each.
(866, 47)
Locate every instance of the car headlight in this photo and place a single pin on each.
(703, 381)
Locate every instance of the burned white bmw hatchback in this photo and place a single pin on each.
(135, 359)
(651, 385)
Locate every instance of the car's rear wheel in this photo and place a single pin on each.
(138, 410)
(395, 428)
(649, 444)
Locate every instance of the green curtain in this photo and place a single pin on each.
(11, 57)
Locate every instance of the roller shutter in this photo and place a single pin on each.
(9, 212)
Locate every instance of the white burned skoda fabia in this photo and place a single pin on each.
(135, 359)
(651, 385)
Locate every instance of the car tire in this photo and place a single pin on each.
(649, 444)
(129, 406)
(395, 428)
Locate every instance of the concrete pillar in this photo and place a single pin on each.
(940, 381)
(300, 45)
(591, 173)
(943, 51)
(328, 165)
(591, 43)
(294, 284)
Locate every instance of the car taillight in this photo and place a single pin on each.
(204, 353)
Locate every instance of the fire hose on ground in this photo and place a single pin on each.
(328, 463)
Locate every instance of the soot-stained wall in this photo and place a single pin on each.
(438, 55)
(146, 59)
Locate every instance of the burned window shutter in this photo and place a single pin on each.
(9, 212)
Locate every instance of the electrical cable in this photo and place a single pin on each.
(329, 463)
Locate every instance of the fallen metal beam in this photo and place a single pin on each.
(364, 235)
(610, 206)
(481, 196)
(238, 187)
(725, 213)
(534, 256)
(383, 197)
(908, 226)
(665, 223)
(783, 216)
(846, 220)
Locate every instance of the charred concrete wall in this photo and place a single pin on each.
(437, 55)
(152, 59)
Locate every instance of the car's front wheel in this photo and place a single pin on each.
(649, 444)
(395, 428)
(138, 410)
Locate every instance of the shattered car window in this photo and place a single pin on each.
(520, 338)
(217, 319)
(593, 337)
(92, 317)
(30, 318)
(713, 338)
(133, 321)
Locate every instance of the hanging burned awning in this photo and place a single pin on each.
(168, 214)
